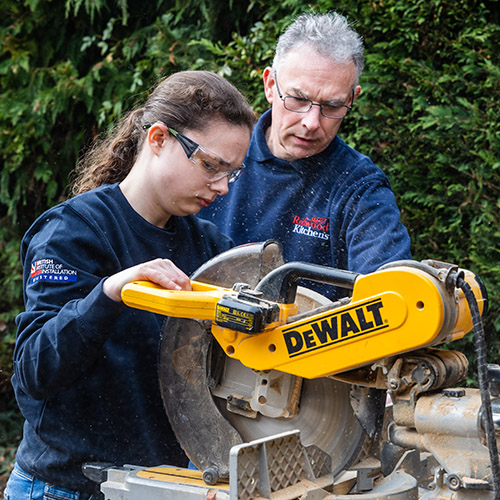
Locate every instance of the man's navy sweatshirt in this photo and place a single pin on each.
(335, 208)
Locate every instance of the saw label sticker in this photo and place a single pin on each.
(334, 328)
(50, 270)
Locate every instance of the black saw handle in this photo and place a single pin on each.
(280, 285)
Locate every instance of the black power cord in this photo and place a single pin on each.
(482, 373)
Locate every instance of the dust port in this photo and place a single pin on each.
(230, 350)
(420, 305)
(272, 348)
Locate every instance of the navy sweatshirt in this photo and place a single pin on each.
(335, 208)
(85, 367)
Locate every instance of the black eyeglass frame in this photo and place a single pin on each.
(311, 103)
(188, 145)
(191, 148)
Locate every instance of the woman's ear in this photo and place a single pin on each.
(157, 134)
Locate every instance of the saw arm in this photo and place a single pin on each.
(392, 311)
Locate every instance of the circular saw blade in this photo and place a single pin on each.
(325, 419)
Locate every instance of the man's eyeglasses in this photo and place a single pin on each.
(303, 105)
(214, 167)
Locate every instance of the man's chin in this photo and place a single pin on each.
(301, 152)
(297, 149)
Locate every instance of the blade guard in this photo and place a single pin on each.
(191, 362)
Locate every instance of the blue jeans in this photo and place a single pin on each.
(24, 486)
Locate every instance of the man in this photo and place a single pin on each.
(325, 202)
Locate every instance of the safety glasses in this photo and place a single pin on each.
(215, 168)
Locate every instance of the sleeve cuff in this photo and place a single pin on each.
(98, 311)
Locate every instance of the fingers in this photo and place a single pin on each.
(163, 272)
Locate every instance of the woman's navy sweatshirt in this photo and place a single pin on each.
(85, 367)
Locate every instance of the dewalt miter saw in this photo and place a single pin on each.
(251, 359)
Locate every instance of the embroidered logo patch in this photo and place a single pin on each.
(49, 270)
(315, 227)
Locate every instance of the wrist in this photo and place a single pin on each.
(111, 291)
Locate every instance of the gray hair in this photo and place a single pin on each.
(329, 34)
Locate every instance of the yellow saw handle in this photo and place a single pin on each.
(199, 303)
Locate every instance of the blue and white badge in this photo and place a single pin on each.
(50, 270)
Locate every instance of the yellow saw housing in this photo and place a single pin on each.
(391, 311)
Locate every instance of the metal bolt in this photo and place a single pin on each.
(210, 475)
(453, 393)
(454, 482)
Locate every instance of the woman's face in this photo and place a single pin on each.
(179, 185)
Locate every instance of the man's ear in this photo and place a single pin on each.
(157, 134)
(269, 83)
(357, 91)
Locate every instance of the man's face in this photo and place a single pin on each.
(304, 73)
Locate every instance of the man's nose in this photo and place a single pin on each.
(312, 118)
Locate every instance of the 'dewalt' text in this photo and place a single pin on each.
(335, 327)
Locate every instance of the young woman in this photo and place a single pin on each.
(85, 372)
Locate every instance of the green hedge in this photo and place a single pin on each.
(428, 114)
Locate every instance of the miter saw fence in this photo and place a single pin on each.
(244, 359)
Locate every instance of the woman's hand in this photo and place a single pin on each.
(163, 272)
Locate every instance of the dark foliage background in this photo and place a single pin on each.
(428, 114)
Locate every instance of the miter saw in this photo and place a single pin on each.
(275, 391)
